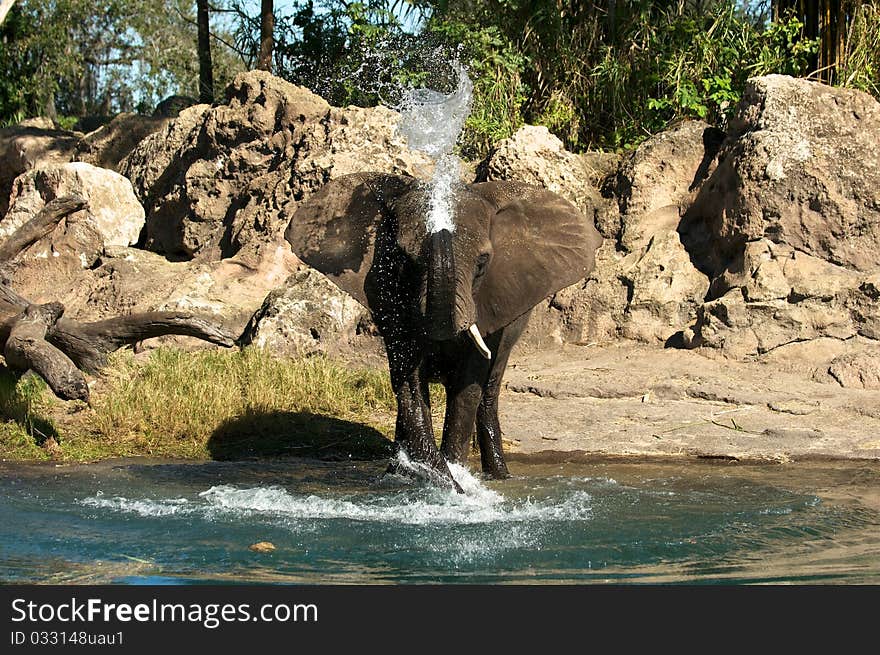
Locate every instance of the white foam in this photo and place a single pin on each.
(142, 507)
(419, 505)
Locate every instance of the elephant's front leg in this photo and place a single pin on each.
(488, 426)
(414, 432)
(464, 388)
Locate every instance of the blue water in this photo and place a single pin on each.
(132, 522)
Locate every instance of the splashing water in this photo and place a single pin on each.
(346, 523)
(432, 121)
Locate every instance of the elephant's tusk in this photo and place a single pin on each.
(474, 333)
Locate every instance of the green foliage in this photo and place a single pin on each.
(66, 57)
(783, 49)
(610, 80)
(860, 65)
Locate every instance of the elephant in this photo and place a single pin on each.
(451, 304)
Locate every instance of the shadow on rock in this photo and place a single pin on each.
(298, 434)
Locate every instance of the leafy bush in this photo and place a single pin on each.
(603, 81)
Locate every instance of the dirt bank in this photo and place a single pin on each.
(630, 399)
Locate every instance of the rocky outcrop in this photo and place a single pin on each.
(800, 166)
(220, 181)
(762, 244)
(788, 224)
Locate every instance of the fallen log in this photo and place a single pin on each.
(38, 338)
(43, 222)
(26, 348)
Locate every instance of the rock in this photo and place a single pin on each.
(859, 370)
(113, 212)
(658, 181)
(788, 225)
(664, 289)
(24, 148)
(107, 146)
(742, 329)
(645, 286)
(262, 547)
(308, 314)
(171, 106)
(535, 156)
(778, 295)
(221, 180)
(800, 167)
(154, 155)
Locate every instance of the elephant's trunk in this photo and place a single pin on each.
(442, 311)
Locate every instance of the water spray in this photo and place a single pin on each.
(431, 121)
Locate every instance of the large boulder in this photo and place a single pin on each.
(224, 180)
(112, 211)
(800, 166)
(535, 156)
(644, 286)
(788, 224)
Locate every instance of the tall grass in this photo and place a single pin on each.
(208, 404)
(859, 67)
(175, 402)
(205, 404)
(23, 425)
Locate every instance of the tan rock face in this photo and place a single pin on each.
(221, 180)
(308, 314)
(801, 167)
(857, 370)
(789, 223)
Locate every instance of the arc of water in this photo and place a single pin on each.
(432, 122)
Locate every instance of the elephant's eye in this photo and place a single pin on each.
(482, 264)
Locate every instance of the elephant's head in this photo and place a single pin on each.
(512, 246)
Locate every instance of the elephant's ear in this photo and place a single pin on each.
(334, 230)
(541, 244)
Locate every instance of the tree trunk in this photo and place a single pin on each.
(5, 6)
(38, 338)
(39, 226)
(267, 39)
(206, 72)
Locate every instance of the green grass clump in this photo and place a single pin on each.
(23, 427)
(216, 403)
(209, 404)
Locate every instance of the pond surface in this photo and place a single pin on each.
(141, 522)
